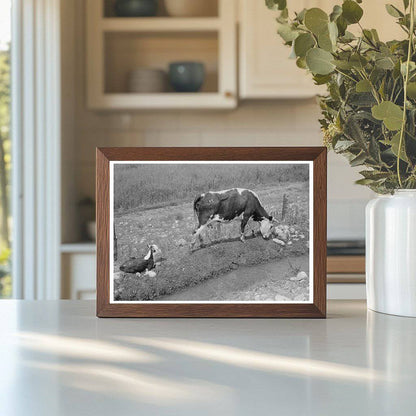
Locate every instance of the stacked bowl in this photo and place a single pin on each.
(147, 80)
(191, 8)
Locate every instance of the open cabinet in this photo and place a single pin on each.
(116, 46)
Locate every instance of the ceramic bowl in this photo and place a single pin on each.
(186, 76)
(147, 80)
(191, 8)
(135, 8)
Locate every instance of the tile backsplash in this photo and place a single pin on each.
(284, 123)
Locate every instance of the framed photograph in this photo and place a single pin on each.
(211, 232)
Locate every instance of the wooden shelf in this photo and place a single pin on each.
(345, 278)
(81, 247)
(128, 101)
(346, 264)
(159, 24)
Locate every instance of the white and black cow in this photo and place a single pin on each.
(224, 206)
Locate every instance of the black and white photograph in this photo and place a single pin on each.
(211, 232)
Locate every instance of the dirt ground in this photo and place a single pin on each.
(171, 229)
(275, 281)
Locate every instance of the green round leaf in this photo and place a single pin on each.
(385, 63)
(276, 4)
(321, 79)
(393, 11)
(324, 42)
(368, 36)
(316, 20)
(319, 61)
(286, 32)
(347, 37)
(336, 12)
(303, 43)
(333, 32)
(351, 11)
(391, 114)
(328, 40)
(375, 35)
(363, 86)
(301, 63)
(403, 66)
(300, 16)
(342, 25)
(358, 61)
(341, 64)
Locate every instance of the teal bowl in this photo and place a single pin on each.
(186, 76)
(135, 8)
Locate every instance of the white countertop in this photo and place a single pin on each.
(57, 359)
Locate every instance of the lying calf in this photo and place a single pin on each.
(144, 265)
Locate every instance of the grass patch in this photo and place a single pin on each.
(150, 186)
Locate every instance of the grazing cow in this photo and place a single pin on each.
(145, 264)
(224, 206)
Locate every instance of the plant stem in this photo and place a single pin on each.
(392, 90)
(373, 89)
(369, 41)
(406, 80)
(345, 75)
(397, 95)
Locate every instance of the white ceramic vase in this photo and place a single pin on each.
(391, 253)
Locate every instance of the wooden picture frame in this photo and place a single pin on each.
(316, 308)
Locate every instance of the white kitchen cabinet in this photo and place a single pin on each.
(265, 70)
(376, 17)
(78, 271)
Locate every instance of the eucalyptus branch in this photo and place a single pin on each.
(346, 75)
(373, 89)
(392, 90)
(378, 121)
(369, 41)
(398, 95)
(406, 80)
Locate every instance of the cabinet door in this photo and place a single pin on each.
(376, 17)
(265, 68)
(78, 276)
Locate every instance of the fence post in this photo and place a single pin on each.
(284, 207)
(115, 243)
